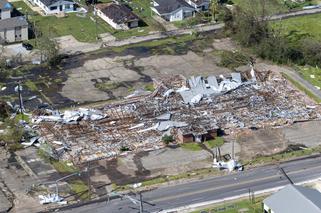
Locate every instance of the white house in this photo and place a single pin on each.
(117, 15)
(173, 10)
(55, 6)
(199, 5)
(293, 199)
(12, 29)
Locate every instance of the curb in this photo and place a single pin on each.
(192, 207)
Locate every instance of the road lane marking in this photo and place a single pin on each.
(231, 185)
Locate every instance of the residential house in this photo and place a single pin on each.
(5, 9)
(199, 5)
(173, 10)
(12, 29)
(293, 199)
(118, 16)
(55, 6)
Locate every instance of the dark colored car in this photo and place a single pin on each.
(27, 46)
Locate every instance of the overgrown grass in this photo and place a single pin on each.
(80, 189)
(149, 87)
(283, 156)
(155, 43)
(12, 135)
(23, 117)
(31, 85)
(302, 88)
(193, 146)
(60, 166)
(199, 173)
(218, 141)
(311, 74)
(309, 25)
(107, 85)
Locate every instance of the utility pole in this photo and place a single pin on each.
(282, 170)
(141, 210)
(88, 180)
(233, 157)
(95, 12)
(19, 90)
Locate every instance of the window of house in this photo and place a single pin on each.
(67, 6)
(53, 8)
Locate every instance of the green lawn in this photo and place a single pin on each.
(83, 28)
(273, 6)
(302, 88)
(236, 207)
(218, 141)
(309, 25)
(191, 146)
(311, 74)
(80, 188)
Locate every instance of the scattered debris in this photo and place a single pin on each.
(230, 165)
(192, 109)
(51, 198)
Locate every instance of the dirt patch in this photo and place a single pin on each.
(261, 142)
(226, 44)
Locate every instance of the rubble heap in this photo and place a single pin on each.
(194, 106)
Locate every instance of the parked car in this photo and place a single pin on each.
(27, 46)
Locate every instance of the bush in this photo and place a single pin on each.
(167, 139)
(234, 59)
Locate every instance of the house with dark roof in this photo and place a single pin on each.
(199, 5)
(55, 6)
(12, 29)
(293, 199)
(118, 16)
(173, 10)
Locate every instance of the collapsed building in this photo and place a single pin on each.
(189, 109)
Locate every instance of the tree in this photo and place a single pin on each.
(214, 8)
(48, 50)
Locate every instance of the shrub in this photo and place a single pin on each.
(167, 139)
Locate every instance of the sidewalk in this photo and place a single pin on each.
(74, 47)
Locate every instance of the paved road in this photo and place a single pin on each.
(296, 76)
(214, 188)
(296, 13)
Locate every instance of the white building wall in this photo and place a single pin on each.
(24, 34)
(10, 35)
(5, 14)
(177, 16)
(266, 208)
(108, 20)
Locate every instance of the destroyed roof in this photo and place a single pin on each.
(119, 13)
(302, 199)
(139, 123)
(200, 87)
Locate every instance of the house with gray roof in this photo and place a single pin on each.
(12, 29)
(5, 9)
(55, 6)
(293, 199)
(199, 5)
(173, 10)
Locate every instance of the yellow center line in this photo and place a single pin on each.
(228, 186)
